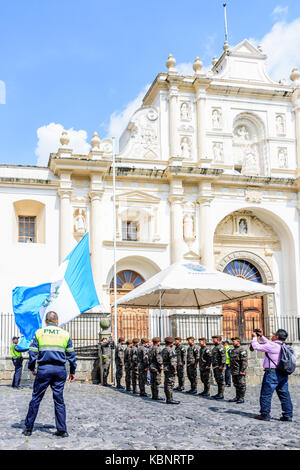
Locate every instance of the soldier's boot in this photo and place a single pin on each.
(119, 384)
(220, 394)
(205, 392)
(134, 390)
(240, 396)
(142, 392)
(170, 400)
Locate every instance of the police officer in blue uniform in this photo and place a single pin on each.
(17, 359)
(50, 348)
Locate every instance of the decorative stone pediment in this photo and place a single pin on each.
(244, 224)
(141, 137)
(243, 62)
(137, 197)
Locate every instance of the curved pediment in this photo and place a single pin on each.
(141, 138)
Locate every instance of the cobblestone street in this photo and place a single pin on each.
(104, 418)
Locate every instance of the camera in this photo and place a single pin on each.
(256, 330)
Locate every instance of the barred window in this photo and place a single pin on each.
(27, 229)
(129, 230)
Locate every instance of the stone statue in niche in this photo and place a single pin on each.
(250, 164)
(243, 227)
(79, 222)
(282, 158)
(280, 126)
(185, 146)
(216, 119)
(242, 134)
(188, 229)
(185, 114)
(218, 152)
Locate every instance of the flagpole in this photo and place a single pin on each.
(115, 244)
(225, 20)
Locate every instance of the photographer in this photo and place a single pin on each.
(273, 379)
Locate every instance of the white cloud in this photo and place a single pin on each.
(280, 11)
(281, 45)
(2, 92)
(185, 68)
(119, 119)
(48, 142)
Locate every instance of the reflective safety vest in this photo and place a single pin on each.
(14, 354)
(227, 349)
(52, 338)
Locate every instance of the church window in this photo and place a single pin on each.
(127, 280)
(243, 269)
(129, 230)
(27, 229)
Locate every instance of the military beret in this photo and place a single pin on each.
(121, 339)
(202, 339)
(156, 339)
(129, 341)
(144, 340)
(217, 336)
(169, 339)
(135, 340)
(178, 338)
(235, 337)
(190, 337)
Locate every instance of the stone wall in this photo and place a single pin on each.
(88, 369)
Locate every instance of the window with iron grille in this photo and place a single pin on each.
(27, 229)
(129, 230)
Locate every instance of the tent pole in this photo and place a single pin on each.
(160, 331)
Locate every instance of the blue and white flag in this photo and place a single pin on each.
(71, 293)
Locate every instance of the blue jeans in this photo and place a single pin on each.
(227, 375)
(272, 381)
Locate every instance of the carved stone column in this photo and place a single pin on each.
(295, 77)
(173, 111)
(65, 216)
(176, 216)
(96, 230)
(206, 234)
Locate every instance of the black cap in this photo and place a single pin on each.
(16, 337)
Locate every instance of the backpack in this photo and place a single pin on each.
(287, 360)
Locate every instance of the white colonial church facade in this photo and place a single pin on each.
(208, 169)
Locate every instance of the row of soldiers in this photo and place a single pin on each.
(136, 358)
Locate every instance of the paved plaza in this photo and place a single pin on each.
(104, 418)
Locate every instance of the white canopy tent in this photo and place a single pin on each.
(191, 286)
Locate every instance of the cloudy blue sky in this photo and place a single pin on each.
(84, 65)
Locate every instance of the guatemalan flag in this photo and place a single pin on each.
(71, 293)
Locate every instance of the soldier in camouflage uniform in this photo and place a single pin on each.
(134, 364)
(106, 346)
(170, 370)
(119, 361)
(204, 366)
(218, 355)
(238, 366)
(181, 353)
(127, 363)
(192, 359)
(143, 365)
(156, 366)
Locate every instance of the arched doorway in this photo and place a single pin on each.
(240, 318)
(132, 322)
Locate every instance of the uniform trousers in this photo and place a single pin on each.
(18, 372)
(192, 376)
(55, 376)
(155, 380)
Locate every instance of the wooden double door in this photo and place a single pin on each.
(240, 318)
